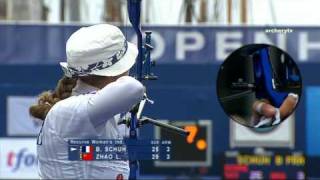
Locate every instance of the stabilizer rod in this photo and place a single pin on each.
(145, 120)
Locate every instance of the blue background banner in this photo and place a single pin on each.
(45, 44)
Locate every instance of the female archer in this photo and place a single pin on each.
(87, 103)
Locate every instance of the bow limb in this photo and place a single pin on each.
(134, 8)
(134, 11)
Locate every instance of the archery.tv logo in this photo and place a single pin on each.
(279, 30)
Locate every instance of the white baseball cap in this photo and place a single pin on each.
(98, 50)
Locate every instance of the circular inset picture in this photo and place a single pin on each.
(259, 85)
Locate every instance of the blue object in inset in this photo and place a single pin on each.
(264, 81)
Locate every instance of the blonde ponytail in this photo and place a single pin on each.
(48, 98)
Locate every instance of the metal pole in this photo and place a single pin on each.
(244, 9)
(229, 11)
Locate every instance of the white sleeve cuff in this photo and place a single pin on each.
(277, 118)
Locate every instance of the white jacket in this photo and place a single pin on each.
(88, 114)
